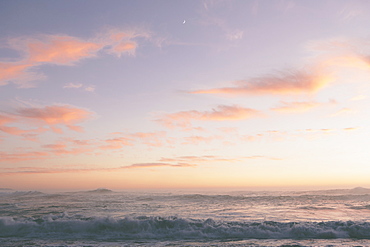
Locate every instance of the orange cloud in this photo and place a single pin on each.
(63, 50)
(288, 82)
(221, 113)
(351, 128)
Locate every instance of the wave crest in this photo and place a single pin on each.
(57, 226)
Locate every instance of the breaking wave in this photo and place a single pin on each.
(173, 228)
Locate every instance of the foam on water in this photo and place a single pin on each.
(64, 226)
(158, 218)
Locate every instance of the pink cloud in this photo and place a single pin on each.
(55, 115)
(16, 157)
(120, 42)
(13, 130)
(63, 50)
(221, 113)
(19, 74)
(124, 47)
(117, 143)
(151, 139)
(62, 148)
(45, 118)
(6, 119)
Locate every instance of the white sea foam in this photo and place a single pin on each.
(156, 217)
(64, 226)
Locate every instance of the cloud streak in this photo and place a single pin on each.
(183, 119)
(62, 50)
(44, 118)
(156, 165)
(284, 82)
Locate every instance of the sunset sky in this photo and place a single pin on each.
(184, 94)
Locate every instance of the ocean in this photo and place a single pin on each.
(185, 218)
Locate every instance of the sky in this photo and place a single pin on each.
(184, 94)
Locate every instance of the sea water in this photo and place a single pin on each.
(182, 218)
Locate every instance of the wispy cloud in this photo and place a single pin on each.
(120, 42)
(6, 120)
(44, 118)
(155, 165)
(62, 148)
(117, 143)
(210, 17)
(150, 139)
(56, 170)
(183, 161)
(220, 113)
(284, 82)
(324, 69)
(79, 86)
(62, 50)
(19, 74)
(73, 85)
(56, 115)
(21, 156)
(199, 159)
